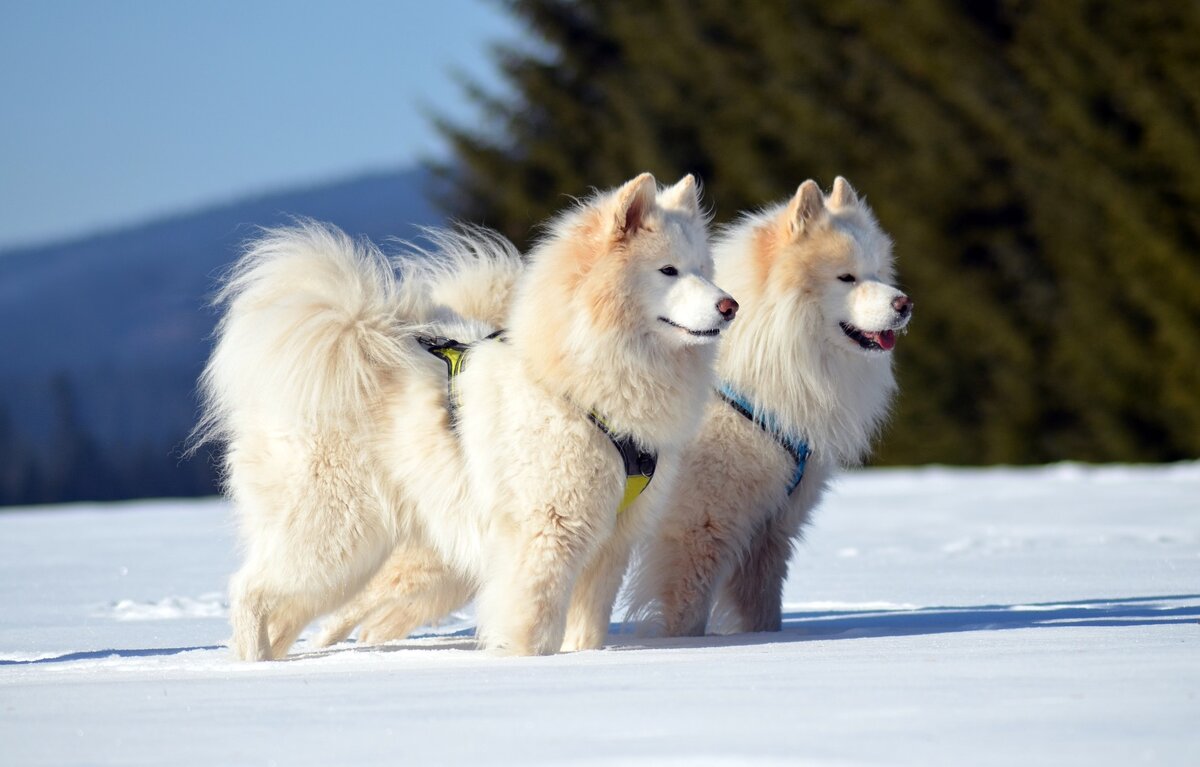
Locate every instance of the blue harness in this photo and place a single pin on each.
(797, 447)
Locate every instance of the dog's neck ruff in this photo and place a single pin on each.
(795, 445)
(639, 464)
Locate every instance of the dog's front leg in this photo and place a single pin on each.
(753, 594)
(596, 590)
(531, 568)
(755, 587)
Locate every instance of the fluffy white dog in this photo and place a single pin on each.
(805, 381)
(329, 384)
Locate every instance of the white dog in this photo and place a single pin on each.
(345, 436)
(805, 381)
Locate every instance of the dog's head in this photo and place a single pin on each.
(829, 256)
(672, 277)
(640, 264)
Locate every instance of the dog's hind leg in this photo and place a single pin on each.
(266, 622)
(338, 626)
(394, 616)
(288, 620)
(250, 611)
(413, 588)
(275, 598)
(403, 617)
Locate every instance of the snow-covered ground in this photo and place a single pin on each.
(933, 617)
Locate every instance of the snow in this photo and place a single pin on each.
(934, 617)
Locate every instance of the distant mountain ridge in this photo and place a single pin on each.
(104, 336)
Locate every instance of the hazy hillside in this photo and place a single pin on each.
(103, 337)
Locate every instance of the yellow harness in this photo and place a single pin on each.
(639, 464)
(454, 354)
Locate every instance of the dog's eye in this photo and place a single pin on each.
(847, 277)
(669, 270)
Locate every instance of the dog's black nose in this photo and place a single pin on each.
(903, 305)
(727, 307)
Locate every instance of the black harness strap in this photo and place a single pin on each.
(454, 354)
(639, 464)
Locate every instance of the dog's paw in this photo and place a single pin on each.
(576, 641)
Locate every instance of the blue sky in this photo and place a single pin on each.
(116, 111)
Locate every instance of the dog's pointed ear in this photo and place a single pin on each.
(684, 196)
(843, 195)
(634, 201)
(807, 208)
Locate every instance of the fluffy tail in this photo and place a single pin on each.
(312, 321)
(468, 272)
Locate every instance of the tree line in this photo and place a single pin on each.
(72, 464)
(1038, 165)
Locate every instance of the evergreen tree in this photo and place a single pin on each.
(1038, 165)
(18, 476)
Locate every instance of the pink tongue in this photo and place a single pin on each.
(886, 339)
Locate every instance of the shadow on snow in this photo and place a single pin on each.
(102, 654)
(868, 624)
(872, 624)
(820, 625)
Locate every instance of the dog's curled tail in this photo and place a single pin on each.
(312, 320)
(469, 271)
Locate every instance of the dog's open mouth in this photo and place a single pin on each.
(883, 340)
(710, 332)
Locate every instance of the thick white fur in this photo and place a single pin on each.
(723, 547)
(339, 446)
(416, 585)
(466, 272)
